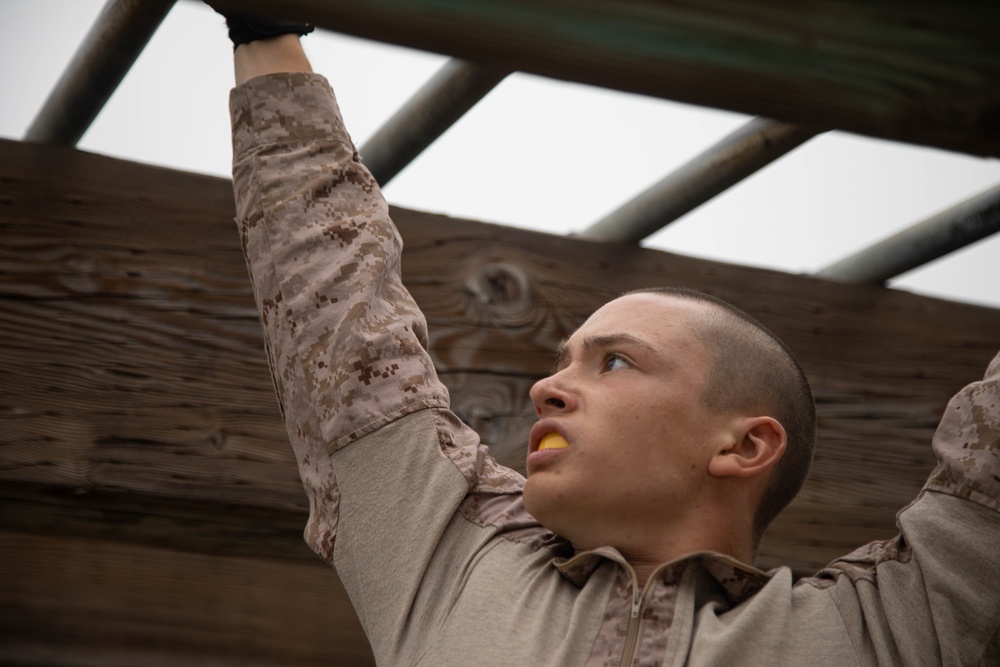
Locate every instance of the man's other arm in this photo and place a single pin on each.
(932, 595)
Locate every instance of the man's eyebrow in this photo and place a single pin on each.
(562, 353)
(594, 342)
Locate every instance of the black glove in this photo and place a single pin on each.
(244, 29)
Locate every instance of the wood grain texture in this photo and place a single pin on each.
(139, 422)
(69, 601)
(924, 72)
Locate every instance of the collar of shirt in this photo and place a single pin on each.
(740, 581)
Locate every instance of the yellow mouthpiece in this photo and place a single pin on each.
(552, 441)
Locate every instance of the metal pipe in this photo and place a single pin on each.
(109, 49)
(453, 90)
(925, 241)
(741, 153)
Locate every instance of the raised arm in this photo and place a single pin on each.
(404, 500)
(930, 596)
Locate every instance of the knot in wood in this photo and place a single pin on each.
(503, 287)
(79, 274)
(218, 439)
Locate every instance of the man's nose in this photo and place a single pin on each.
(552, 395)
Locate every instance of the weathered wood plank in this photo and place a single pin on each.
(176, 523)
(925, 72)
(133, 361)
(70, 601)
(137, 412)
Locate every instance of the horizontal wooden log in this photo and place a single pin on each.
(137, 410)
(211, 529)
(921, 72)
(71, 601)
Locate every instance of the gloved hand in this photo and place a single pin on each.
(244, 29)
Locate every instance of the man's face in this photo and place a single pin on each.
(627, 395)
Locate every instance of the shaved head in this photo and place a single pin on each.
(754, 372)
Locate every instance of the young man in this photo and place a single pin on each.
(661, 452)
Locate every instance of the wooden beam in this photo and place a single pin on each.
(925, 72)
(133, 360)
(72, 601)
(137, 410)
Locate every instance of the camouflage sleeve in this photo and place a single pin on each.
(967, 443)
(345, 341)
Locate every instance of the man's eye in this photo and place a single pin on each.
(613, 362)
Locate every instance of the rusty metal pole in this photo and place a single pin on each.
(452, 91)
(751, 147)
(116, 39)
(925, 241)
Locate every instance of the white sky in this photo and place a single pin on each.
(534, 153)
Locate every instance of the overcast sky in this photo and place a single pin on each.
(534, 153)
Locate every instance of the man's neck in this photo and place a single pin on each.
(646, 558)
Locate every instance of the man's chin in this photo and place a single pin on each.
(534, 498)
(547, 507)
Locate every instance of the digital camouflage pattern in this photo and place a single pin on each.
(966, 443)
(428, 532)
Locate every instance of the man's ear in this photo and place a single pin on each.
(757, 445)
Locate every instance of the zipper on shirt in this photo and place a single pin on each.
(637, 603)
(632, 636)
(635, 619)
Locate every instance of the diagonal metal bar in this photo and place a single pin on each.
(109, 49)
(925, 241)
(738, 155)
(452, 91)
